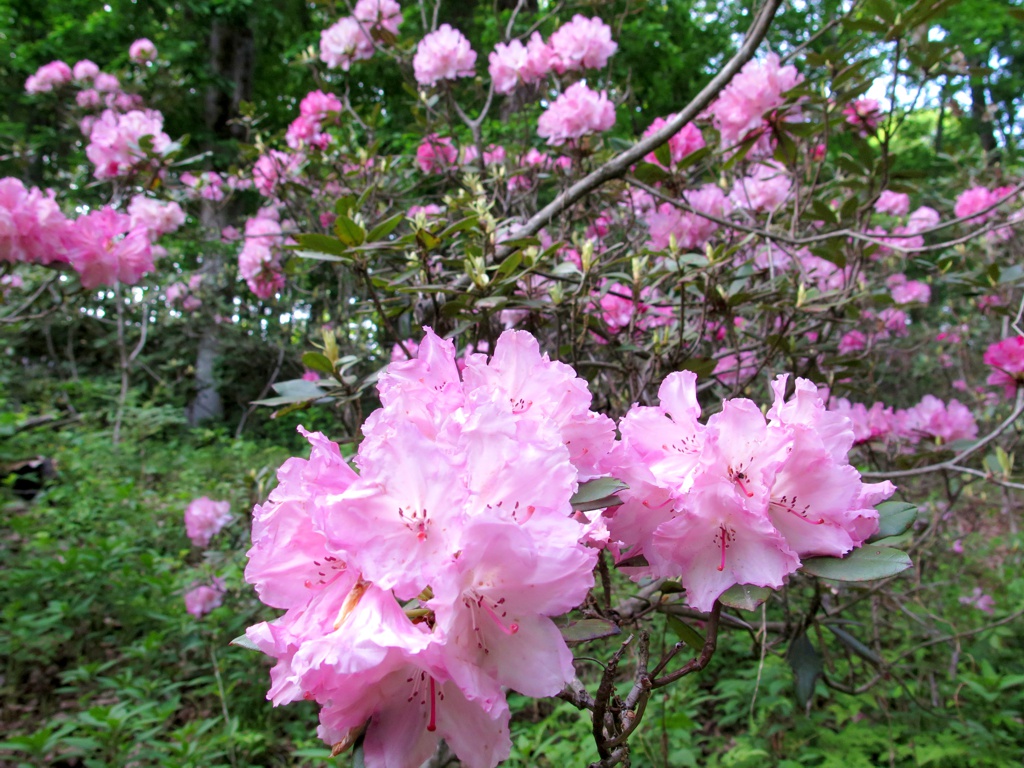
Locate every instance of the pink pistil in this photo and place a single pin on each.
(432, 723)
(511, 629)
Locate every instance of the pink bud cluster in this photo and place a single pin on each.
(422, 587)
(741, 499)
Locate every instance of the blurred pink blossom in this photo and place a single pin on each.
(443, 55)
(575, 113)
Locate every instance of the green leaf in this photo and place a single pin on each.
(317, 362)
(855, 645)
(686, 633)
(386, 227)
(649, 173)
(744, 597)
(865, 564)
(244, 642)
(597, 494)
(664, 154)
(702, 366)
(348, 231)
(321, 243)
(803, 658)
(894, 518)
(588, 629)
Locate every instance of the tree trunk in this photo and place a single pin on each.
(232, 58)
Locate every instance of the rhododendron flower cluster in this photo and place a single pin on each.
(200, 600)
(740, 499)
(204, 519)
(1007, 359)
(155, 216)
(435, 154)
(422, 587)
(689, 230)
(105, 249)
(688, 140)
(344, 42)
(48, 77)
(32, 226)
(893, 203)
(142, 51)
(931, 419)
(259, 262)
(115, 140)
(444, 54)
(970, 202)
(757, 89)
(306, 129)
(577, 112)
(379, 14)
(863, 114)
(581, 44)
(513, 63)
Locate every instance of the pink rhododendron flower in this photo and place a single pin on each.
(690, 230)
(932, 418)
(385, 14)
(32, 226)
(318, 104)
(618, 308)
(922, 218)
(200, 600)
(142, 51)
(115, 141)
(893, 203)
(204, 519)
(105, 249)
(157, 217)
(688, 140)
(276, 168)
(88, 98)
(106, 83)
(908, 291)
(1007, 359)
(436, 154)
(738, 111)
(259, 262)
(863, 114)
(852, 341)
(48, 77)
(577, 112)
(973, 200)
(582, 44)
(444, 54)
(764, 189)
(506, 63)
(344, 42)
(85, 70)
(446, 497)
(978, 599)
(742, 499)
